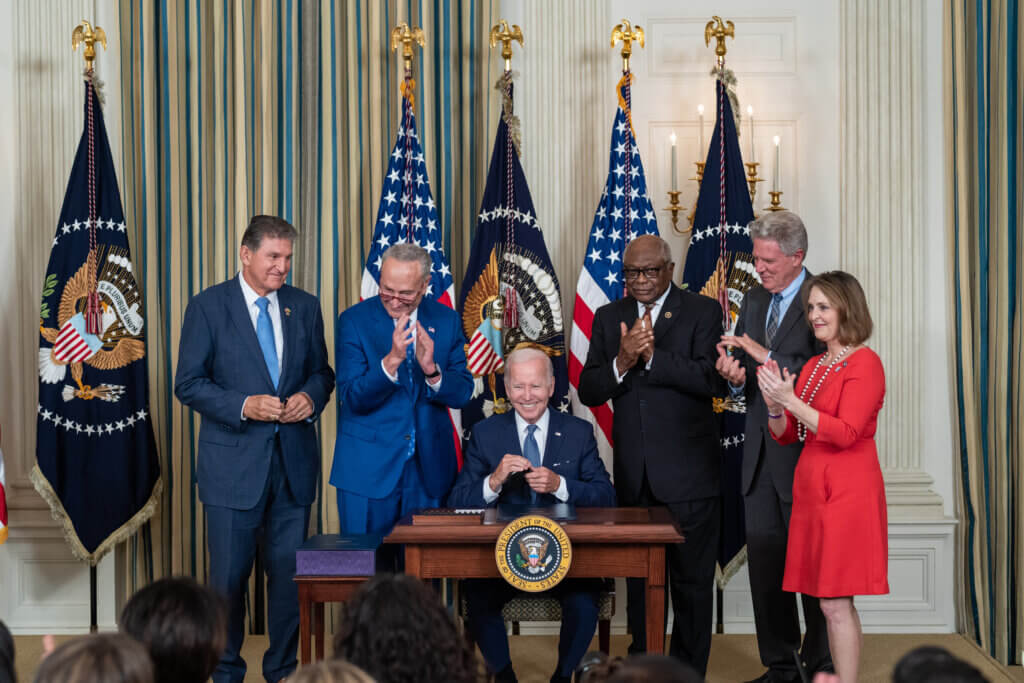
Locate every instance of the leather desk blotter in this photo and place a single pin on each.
(338, 555)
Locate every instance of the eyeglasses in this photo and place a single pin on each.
(401, 297)
(633, 273)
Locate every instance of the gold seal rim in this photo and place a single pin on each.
(557, 531)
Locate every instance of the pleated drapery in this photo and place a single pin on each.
(236, 107)
(984, 130)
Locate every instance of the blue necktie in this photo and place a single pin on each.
(265, 335)
(532, 453)
(410, 361)
(773, 320)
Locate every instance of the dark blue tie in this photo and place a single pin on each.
(773, 320)
(532, 453)
(265, 335)
(410, 364)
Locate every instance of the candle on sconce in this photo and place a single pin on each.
(775, 177)
(750, 115)
(700, 118)
(675, 180)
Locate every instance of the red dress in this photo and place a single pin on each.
(838, 531)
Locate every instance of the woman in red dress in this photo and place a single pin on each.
(838, 532)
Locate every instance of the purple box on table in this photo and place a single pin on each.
(338, 555)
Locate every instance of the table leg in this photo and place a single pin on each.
(304, 624)
(656, 599)
(413, 560)
(318, 626)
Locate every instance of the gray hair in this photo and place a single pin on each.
(666, 250)
(261, 226)
(407, 252)
(782, 227)
(524, 354)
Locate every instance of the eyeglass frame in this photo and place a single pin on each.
(404, 298)
(630, 274)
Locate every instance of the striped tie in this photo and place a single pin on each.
(773, 320)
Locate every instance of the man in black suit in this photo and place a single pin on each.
(772, 324)
(653, 354)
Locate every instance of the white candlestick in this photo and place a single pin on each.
(775, 177)
(675, 180)
(700, 115)
(750, 115)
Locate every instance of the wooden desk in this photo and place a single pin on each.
(314, 591)
(606, 542)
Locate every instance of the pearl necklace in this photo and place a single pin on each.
(801, 428)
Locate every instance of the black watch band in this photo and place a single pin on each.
(435, 373)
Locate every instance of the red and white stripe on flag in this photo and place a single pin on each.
(481, 358)
(589, 297)
(3, 500)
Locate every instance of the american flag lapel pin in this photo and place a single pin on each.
(287, 311)
(430, 330)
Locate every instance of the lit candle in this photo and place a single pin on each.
(750, 115)
(775, 178)
(700, 116)
(675, 181)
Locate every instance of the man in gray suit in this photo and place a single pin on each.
(772, 324)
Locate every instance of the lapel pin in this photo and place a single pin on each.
(558, 433)
(287, 311)
(430, 330)
(668, 314)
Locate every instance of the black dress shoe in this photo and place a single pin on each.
(506, 675)
(771, 676)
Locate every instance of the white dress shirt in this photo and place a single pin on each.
(541, 436)
(273, 309)
(655, 312)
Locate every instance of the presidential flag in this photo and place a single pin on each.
(510, 296)
(3, 498)
(97, 463)
(623, 213)
(407, 213)
(719, 264)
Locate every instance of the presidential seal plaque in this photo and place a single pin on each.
(533, 553)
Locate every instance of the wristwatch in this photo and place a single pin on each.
(435, 373)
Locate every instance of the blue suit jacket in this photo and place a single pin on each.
(570, 450)
(379, 417)
(220, 364)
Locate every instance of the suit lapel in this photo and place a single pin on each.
(670, 312)
(239, 313)
(553, 443)
(794, 313)
(510, 435)
(285, 305)
(759, 314)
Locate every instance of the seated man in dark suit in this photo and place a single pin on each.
(558, 454)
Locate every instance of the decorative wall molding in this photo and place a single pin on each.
(677, 46)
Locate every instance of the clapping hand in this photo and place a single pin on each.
(776, 386)
(425, 351)
(635, 342)
(749, 346)
(730, 367)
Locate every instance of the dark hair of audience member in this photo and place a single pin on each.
(596, 667)
(331, 671)
(97, 658)
(182, 624)
(7, 673)
(931, 664)
(396, 630)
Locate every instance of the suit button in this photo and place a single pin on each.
(408, 437)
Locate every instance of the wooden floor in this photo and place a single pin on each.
(733, 657)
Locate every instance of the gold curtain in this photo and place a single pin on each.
(288, 108)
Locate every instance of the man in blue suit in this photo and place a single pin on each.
(401, 366)
(253, 363)
(558, 454)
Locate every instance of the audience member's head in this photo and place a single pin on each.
(931, 664)
(332, 671)
(396, 630)
(97, 658)
(7, 673)
(596, 667)
(183, 626)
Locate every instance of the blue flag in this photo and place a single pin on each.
(510, 296)
(97, 463)
(719, 264)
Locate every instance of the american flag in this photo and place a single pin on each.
(407, 213)
(623, 213)
(3, 500)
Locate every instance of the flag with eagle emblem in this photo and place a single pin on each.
(97, 463)
(720, 264)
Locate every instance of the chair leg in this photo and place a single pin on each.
(604, 635)
(515, 628)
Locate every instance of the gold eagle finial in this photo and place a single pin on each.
(719, 33)
(404, 36)
(627, 34)
(85, 33)
(501, 32)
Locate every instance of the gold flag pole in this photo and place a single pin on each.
(406, 37)
(85, 33)
(500, 32)
(627, 34)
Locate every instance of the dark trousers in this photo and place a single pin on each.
(775, 610)
(232, 537)
(486, 597)
(691, 577)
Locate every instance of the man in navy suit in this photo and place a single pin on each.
(401, 366)
(253, 363)
(558, 454)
